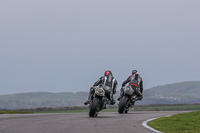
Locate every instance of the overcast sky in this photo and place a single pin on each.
(66, 45)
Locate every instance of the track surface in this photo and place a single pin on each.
(111, 122)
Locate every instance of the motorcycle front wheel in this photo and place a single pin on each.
(95, 107)
(122, 104)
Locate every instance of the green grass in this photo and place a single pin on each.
(179, 123)
(168, 108)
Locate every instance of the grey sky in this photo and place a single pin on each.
(65, 45)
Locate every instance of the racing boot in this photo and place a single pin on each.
(112, 102)
(87, 102)
(134, 100)
(107, 101)
(119, 98)
(89, 99)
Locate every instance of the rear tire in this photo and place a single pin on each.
(95, 107)
(122, 104)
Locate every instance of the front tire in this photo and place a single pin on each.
(95, 107)
(122, 104)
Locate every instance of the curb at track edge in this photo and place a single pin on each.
(150, 128)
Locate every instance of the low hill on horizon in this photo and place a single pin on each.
(176, 93)
(42, 99)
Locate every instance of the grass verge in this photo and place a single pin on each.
(179, 123)
(174, 107)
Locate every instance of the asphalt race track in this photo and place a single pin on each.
(106, 122)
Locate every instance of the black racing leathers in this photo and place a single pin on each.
(136, 83)
(110, 82)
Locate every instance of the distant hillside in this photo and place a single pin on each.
(42, 99)
(177, 93)
(184, 92)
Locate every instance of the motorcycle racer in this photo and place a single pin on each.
(110, 84)
(136, 83)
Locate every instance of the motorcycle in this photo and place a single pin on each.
(99, 101)
(125, 102)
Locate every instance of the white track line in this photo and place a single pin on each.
(145, 125)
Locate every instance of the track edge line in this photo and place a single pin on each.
(150, 128)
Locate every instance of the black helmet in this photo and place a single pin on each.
(134, 71)
(108, 72)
